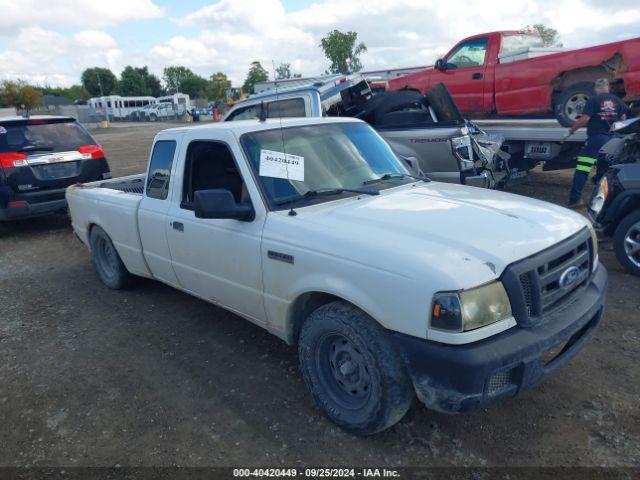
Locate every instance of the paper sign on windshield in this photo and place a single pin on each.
(280, 165)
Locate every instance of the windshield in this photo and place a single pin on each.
(329, 157)
(512, 44)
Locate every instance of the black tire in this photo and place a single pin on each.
(352, 369)
(105, 257)
(153, 117)
(627, 231)
(570, 102)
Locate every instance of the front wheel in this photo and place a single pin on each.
(352, 369)
(108, 263)
(626, 242)
(571, 101)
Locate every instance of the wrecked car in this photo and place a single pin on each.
(427, 132)
(515, 73)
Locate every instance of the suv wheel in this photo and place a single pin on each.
(626, 242)
(352, 369)
(153, 117)
(108, 263)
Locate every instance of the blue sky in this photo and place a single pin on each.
(52, 41)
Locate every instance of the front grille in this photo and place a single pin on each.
(539, 285)
(499, 382)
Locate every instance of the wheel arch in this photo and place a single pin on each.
(307, 302)
(609, 69)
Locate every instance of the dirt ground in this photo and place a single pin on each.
(152, 376)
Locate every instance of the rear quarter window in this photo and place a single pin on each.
(55, 137)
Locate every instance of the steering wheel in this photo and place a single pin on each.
(464, 60)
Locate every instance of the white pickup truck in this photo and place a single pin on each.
(390, 285)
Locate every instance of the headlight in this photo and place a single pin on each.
(600, 197)
(463, 151)
(594, 245)
(470, 309)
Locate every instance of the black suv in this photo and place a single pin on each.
(39, 158)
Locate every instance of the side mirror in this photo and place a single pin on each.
(219, 203)
(440, 65)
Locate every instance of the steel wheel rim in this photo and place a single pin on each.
(107, 257)
(632, 244)
(343, 371)
(574, 106)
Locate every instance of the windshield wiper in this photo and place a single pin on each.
(324, 191)
(36, 148)
(390, 176)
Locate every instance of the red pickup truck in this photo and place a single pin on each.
(512, 73)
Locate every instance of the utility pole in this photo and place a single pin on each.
(106, 112)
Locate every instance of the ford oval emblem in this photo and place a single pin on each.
(569, 277)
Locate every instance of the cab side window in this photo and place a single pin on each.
(469, 54)
(210, 165)
(160, 169)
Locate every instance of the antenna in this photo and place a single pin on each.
(292, 212)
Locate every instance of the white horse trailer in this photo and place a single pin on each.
(118, 107)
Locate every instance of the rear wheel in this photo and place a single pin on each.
(153, 117)
(352, 369)
(108, 263)
(626, 242)
(571, 101)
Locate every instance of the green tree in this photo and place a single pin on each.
(92, 78)
(342, 51)
(218, 83)
(175, 76)
(283, 71)
(194, 86)
(132, 83)
(549, 35)
(256, 74)
(74, 92)
(151, 81)
(19, 94)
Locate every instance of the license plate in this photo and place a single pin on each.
(539, 150)
(57, 170)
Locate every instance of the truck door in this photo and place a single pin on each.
(463, 73)
(153, 210)
(216, 259)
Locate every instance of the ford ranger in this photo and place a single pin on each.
(389, 285)
(512, 73)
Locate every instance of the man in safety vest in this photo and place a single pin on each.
(599, 114)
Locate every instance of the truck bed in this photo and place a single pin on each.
(113, 206)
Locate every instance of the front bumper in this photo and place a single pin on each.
(458, 378)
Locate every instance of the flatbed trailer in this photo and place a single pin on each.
(532, 141)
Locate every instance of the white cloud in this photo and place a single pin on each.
(94, 39)
(46, 57)
(16, 14)
(228, 35)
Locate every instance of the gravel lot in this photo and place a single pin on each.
(152, 376)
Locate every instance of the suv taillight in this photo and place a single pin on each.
(95, 151)
(12, 159)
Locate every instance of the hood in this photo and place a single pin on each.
(470, 234)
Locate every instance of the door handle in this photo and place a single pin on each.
(177, 226)
(476, 76)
